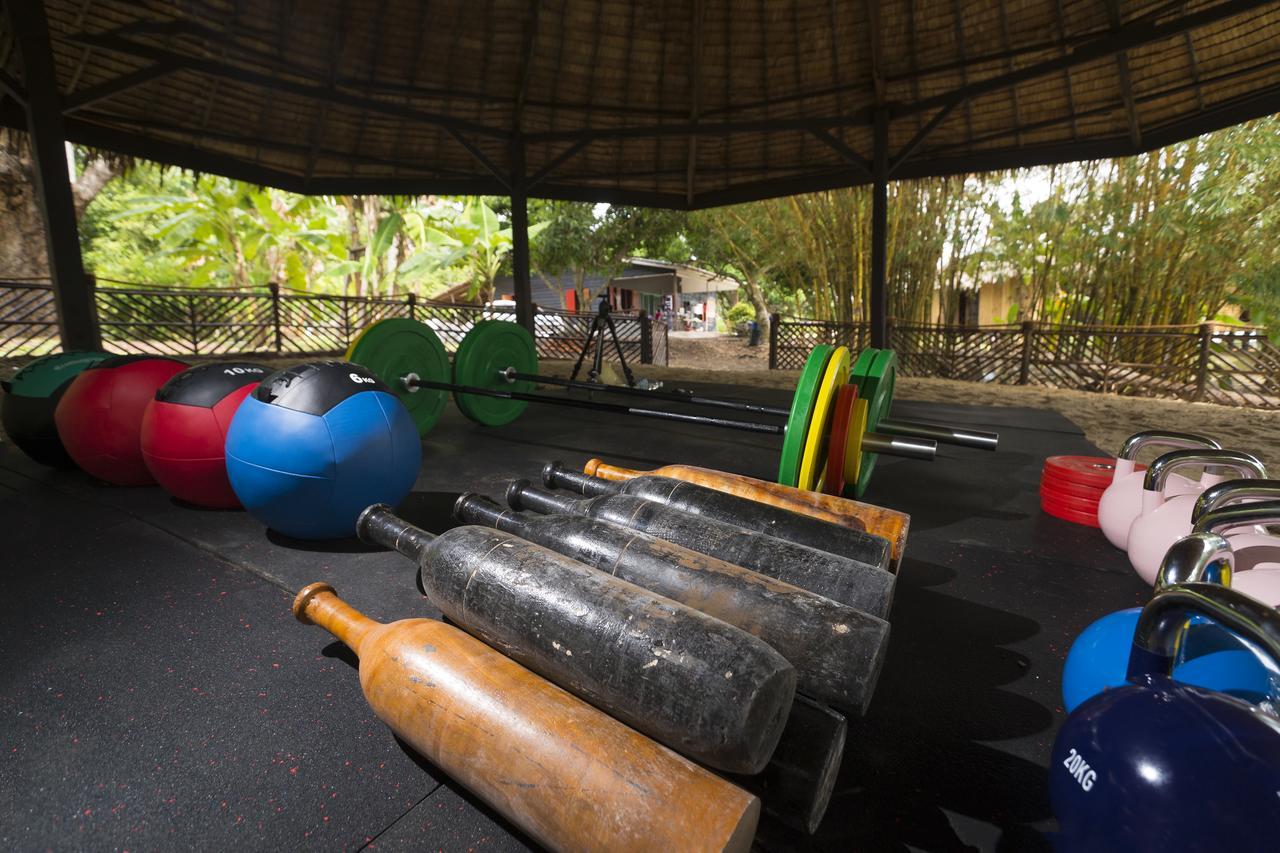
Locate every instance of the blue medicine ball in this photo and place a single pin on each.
(313, 445)
(1211, 657)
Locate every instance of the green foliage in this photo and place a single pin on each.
(475, 239)
(1168, 237)
(741, 312)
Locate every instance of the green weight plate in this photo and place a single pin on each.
(861, 366)
(491, 346)
(877, 390)
(395, 348)
(801, 410)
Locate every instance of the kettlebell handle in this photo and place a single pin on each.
(1155, 641)
(1157, 475)
(1230, 491)
(1163, 438)
(1200, 557)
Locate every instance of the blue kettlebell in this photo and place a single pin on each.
(1162, 765)
(1208, 655)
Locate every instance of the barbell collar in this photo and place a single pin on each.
(941, 433)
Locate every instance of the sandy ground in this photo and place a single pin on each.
(1107, 419)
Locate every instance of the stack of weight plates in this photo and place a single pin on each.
(1071, 486)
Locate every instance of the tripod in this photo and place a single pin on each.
(599, 323)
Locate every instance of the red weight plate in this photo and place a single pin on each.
(1083, 470)
(833, 483)
(1072, 515)
(1067, 501)
(1074, 489)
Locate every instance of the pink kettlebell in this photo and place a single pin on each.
(1256, 563)
(1122, 500)
(1163, 521)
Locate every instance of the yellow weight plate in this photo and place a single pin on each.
(814, 458)
(853, 449)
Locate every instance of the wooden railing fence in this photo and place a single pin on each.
(1210, 363)
(280, 322)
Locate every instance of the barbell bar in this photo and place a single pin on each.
(410, 358)
(911, 448)
(941, 433)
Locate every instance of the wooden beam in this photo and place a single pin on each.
(101, 92)
(557, 161)
(526, 64)
(695, 87)
(1129, 36)
(915, 142)
(521, 280)
(11, 87)
(313, 91)
(337, 42)
(958, 11)
(482, 158)
(1126, 79)
(853, 158)
(375, 51)
(861, 118)
(1008, 64)
(1066, 72)
(72, 289)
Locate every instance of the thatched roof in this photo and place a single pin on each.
(658, 102)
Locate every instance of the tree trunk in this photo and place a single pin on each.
(22, 244)
(756, 295)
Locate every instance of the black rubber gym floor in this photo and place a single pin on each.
(157, 693)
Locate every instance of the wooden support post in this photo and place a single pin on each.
(1202, 366)
(646, 337)
(275, 315)
(774, 321)
(1028, 342)
(879, 231)
(72, 294)
(193, 324)
(520, 238)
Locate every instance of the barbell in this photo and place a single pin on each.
(493, 372)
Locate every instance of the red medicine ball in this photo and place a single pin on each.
(99, 418)
(184, 430)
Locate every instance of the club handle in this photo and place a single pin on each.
(379, 525)
(556, 475)
(522, 494)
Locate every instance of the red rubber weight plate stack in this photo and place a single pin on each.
(1071, 486)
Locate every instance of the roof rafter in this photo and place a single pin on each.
(306, 90)
(1126, 79)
